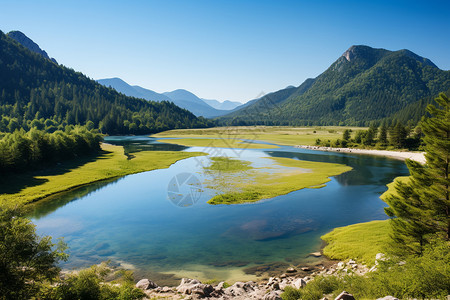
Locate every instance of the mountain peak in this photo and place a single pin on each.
(28, 43)
(360, 51)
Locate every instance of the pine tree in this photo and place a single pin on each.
(420, 209)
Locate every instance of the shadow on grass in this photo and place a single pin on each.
(15, 182)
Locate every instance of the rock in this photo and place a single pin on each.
(291, 270)
(192, 286)
(316, 254)
(283, 276)
(272, 280)
(306, 269)
(388, 298)
(299, 283)
(240, 288)
(340, 265)
(379, 257)
(351, 261)
(272, 296)
(345, 296)
(373, 269)
(145, 284)
(220, 286)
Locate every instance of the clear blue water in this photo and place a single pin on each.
(133, 222)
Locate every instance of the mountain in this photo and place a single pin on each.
(29, 44)
(363, 85)
(35, 92)
(225, 105)
(181, 98)
(194, 104)
(132, 91)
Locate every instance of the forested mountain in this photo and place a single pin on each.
(35, 92)
(29, 44)
(362, 86)
(181, 98)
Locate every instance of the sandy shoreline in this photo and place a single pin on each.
(416, 156)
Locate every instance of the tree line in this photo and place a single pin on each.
(27, 150)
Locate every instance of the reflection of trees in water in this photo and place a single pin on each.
(50, 204)
(138, 144)
(367, 169)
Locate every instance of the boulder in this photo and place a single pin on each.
(299, 283)
(192, 286)
(291, 270)
(272, 296)
(145, 284)
(345, 296)
(240, 288)
(388, 298)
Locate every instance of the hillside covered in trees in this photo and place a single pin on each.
(37, 93)
(364, 85)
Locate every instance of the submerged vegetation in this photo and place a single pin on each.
(238, 182)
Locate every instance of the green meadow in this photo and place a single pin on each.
(238, 182)
(111, 163)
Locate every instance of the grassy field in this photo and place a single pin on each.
(238, 182)
(274, 134)
(26, 188)
(359, 241)
(217, 143)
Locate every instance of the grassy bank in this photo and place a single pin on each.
(361, 241)
(111, 163)
(239, 182)
(217, 143)
(274, 134)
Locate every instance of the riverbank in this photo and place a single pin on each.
(402, 155)
(110, 163)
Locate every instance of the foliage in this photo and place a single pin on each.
(90, 284)
(373, 85)
(423, 277)
(26, 260)
(38, 93)
(21, 151)
(420, 208)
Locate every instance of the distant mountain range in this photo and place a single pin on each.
(37, 93)
(180, 97)
(363, 85)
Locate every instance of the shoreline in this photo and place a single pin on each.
(401, 155)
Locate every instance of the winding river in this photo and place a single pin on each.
(159, 224)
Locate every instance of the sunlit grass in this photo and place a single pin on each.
(217, 143)
(111, 163)
(359, 241)
(274, 134)
(239, 183)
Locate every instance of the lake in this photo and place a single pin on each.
(159, 224)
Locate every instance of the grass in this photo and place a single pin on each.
(391, 187)
(112, 163)
(238, 182)
(274, 134)
(359, 241)
(217, 143)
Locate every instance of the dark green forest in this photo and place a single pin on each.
(372, 86)
(38, 93)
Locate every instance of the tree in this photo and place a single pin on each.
(26, 260)
(382, 137)
(420, 209)
(346, 135)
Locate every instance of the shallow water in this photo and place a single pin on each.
(156, 223)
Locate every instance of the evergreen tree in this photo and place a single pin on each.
(382, 137)
(420, 209)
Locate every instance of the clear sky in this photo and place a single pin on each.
(225, 50)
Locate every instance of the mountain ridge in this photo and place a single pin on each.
(363, 85)
(28, 43)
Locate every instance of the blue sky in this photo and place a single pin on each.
(225, 50)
